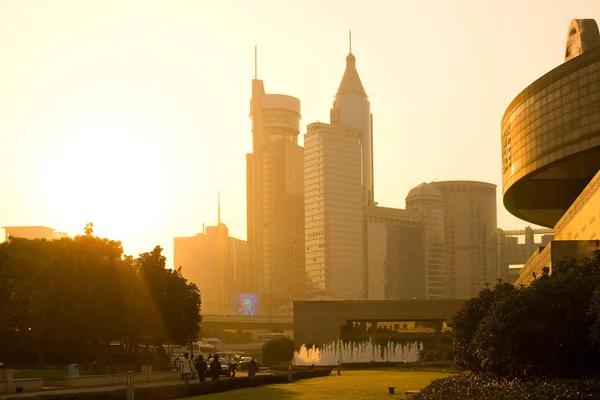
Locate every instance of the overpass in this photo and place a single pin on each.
(247, 322)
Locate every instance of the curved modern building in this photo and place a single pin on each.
(551, 133)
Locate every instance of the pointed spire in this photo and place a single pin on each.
(351, 82)
(219, 209)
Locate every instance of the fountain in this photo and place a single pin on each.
(352, 352)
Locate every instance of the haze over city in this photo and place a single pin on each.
(134, 114)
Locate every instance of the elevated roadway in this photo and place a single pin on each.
(247, 322)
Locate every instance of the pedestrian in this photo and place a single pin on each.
(201, 368)
(231, 367)
(186, 368)
(215, 368)
(252, 367)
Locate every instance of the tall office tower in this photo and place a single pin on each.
(395, 254)
(275, 200)
(470, 230)
(352, 109)
(334, 211)
(429, 201)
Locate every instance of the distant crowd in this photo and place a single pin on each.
(200, 368)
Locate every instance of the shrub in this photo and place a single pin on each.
(277, 351)
(490, 387)
(547, 329)
(442, 353)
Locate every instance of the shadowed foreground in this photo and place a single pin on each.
(351, 385)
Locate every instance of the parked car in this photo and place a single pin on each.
(243, 363)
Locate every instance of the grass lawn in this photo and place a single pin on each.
(351, 385)
(47, 374)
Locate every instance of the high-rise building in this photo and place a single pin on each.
(395, 254)
(429, 201)
(334, 211)
(217, 264)
(275, 200)
(352, 109)
(470, 233)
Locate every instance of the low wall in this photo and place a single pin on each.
(86, 381)
(8, 385)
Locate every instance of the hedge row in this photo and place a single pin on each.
(488, 387)
(179, 391)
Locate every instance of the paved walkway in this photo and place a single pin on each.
(104, 388)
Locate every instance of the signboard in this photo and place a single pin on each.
(246, 304)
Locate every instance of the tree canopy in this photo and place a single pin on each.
(71, 298)
(550, 328)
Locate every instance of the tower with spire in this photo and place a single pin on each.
(275, 199)
(352, 109)
(338, 185)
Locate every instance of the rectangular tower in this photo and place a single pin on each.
(275, 200)
(334, 208)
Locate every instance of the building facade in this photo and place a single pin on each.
(33, 232)
(429, 202)
(217, 264)
(334, 212)
(512, 254)
(275, 200)
(395, 254)
(550, 135)
(470, 233)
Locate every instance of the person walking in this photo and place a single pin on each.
(252, 367)
(231, 367)
(215, 368)
(186, 368)
(201, 368)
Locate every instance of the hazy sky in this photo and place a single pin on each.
(133, 114)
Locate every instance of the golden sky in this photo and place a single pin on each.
(133, 114)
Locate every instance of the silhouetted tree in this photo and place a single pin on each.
(71, 298)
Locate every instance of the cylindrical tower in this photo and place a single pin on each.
(470, 227)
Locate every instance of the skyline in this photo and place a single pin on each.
(58, 108)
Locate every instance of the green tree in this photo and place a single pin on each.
(465, 322)
(547, 329)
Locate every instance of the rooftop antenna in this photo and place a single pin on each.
(350, 40)
(219, 209)
(255, 62)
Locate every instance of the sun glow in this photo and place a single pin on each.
(104, 161)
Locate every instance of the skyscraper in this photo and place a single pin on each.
(334, 211)
(470, 235)
(429, 201)
(352, 109)
(338, 173)
(275, 200)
